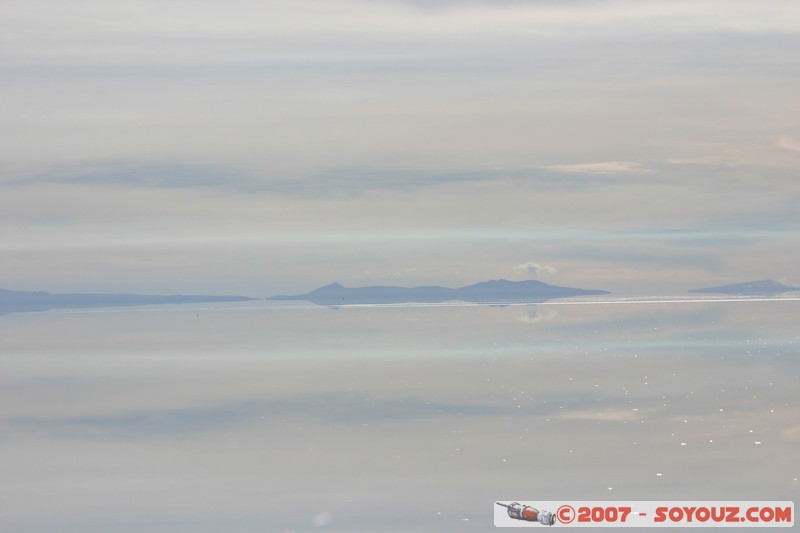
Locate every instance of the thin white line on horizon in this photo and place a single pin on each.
(220, 306)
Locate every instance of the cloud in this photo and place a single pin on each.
(333, 181)
(535, 269)
(606, 167)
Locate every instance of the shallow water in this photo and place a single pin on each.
(268, 417)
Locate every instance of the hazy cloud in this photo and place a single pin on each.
(606, 167)
(352, 180)
(535, 269)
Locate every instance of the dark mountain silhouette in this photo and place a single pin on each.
(764, 287)
(19, 301)
(496, 292)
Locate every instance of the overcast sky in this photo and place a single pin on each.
(263, 147)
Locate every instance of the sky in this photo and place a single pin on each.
(271, 147)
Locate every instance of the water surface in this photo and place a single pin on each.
(268, 417)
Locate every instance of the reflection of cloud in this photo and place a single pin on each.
(792, 434)
(607, 167)
(333, 408)
(789, 143)
(611, 415)
(321, 519)
(537, 315)
(535, 269)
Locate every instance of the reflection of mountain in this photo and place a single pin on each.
(18, 301)
(765, 287)
(488, 292)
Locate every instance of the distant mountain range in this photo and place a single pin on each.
(496, 292)
(19, 301)
(764, 287)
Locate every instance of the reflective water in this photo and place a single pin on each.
(255, 417)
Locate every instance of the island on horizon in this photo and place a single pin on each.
(494, 292)
(764, 287)
(24, 301)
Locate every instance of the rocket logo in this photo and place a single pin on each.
(528, 513)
